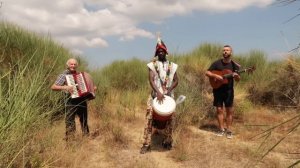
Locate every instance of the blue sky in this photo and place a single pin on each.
(105, 31)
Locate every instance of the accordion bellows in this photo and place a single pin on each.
(83, 85)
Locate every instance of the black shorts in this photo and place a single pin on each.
(223, 96)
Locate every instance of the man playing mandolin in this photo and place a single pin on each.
(222, 74)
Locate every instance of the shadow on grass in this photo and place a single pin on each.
(210, 126)
(156, 143)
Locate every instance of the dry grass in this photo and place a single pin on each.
(192, 146)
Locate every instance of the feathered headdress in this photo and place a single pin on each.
(160, 45)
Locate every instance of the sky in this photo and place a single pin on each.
(103, 31)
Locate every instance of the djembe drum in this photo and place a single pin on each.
(163, 112)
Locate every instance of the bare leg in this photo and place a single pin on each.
(220, 117)
(229, 114)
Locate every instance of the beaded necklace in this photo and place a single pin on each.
(163, 84)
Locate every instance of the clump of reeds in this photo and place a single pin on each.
(28, 63)
(281, 89)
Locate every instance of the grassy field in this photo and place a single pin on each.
(266, 120)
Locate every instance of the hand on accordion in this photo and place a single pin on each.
(69, 89)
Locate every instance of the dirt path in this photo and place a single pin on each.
(98, 155)
(197, 148)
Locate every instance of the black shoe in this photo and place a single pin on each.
(167, 145)
(145, 148)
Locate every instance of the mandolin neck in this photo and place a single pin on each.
(231, 74)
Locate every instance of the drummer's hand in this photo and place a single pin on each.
(169, 92)
(160, 97)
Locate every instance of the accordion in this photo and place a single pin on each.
(83, 85)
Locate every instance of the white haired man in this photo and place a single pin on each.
(73, 106)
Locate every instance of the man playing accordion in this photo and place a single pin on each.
(73, 106)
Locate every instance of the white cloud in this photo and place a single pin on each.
(76, 51)
(81, 41)
(96, 42)
(86, 23)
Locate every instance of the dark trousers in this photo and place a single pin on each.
(76, 107)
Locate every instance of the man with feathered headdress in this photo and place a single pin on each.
(163, 80)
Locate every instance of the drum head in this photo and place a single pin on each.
(166, 108)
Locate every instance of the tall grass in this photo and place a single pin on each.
(126, 75)
(276, 84)
(122, 90)
(125, 82)
(26, 106)
(28, 63)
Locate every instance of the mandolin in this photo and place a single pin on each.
(226, 74)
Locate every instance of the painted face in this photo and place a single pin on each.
(227, 52)
(161, 55)
(72, 65)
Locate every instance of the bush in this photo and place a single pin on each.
(126, 75)
(283, 90)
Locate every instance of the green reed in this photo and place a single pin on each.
(28, 64)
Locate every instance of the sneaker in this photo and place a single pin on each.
(221, 133)
(145, 148)
(229, 135)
